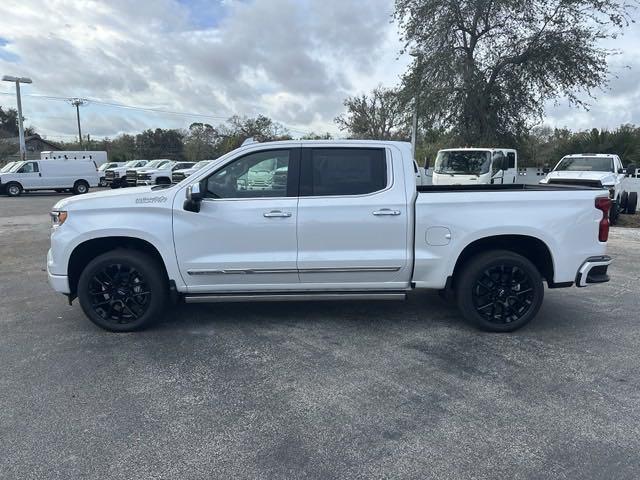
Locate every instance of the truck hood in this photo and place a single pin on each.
(446, 179)
(106, 198)
(606, 178)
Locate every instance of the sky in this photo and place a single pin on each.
(292, 60)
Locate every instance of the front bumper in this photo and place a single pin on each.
(593, 270)
(60, 283)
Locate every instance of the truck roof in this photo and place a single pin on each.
(599, 155)
(475, 149)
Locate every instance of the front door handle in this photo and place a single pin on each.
(277, 214)
(386, 212)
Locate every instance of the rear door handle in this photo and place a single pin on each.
(277, 214)
(387, 212)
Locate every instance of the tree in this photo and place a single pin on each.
(9, 124)
(200, 142)
(238, 129)
(381, 115)
(159, 143)
(486, 68)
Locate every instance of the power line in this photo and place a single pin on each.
(144, 109)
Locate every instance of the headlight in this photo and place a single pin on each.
(58, 218)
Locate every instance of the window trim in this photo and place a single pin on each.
(293, 176)
(306, 159)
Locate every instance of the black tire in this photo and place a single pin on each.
(494, 280)
(614, 213)
(123, 290)
(624, 200)
(632, 203)
(80, 187)
(14, 189)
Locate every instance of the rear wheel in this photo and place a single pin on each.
(14, 189)
(123, 290)
(623, 202)
(499, 291)
(632, 203)
(80, 187)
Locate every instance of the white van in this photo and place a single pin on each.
(98, 157)
(58, 175)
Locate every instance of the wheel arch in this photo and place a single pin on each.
(86, 251)
(532, 248)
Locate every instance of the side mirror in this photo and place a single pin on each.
(194, 197)
(546, 170)
(622, 171)
(631, 169)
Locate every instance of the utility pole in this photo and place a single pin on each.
(18, 81)
(79, 102)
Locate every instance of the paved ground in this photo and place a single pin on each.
(338, 390)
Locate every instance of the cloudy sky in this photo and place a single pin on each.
(293, 60)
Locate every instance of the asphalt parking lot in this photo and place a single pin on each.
(318, 390)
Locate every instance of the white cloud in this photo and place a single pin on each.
(293, 60)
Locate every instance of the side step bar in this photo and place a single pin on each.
(293, 297)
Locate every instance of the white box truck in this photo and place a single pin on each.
(476, 166)
(59, 175)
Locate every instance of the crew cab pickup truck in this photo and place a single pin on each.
(117, 177)
(350, 224)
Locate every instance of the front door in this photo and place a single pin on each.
(353, 221)
(244, 237)
(30, 176)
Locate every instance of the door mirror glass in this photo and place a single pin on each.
(194, 197)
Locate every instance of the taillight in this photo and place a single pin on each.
(604, 205)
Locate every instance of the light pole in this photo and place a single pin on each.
(78, 102)
(18, 81)
(416, 100)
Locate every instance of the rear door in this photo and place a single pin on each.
(352, 219)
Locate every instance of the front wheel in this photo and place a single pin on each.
(123, 290)
(80, 187)
(14, 189)
(499, 291)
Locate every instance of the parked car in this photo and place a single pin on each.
(156, 174)
(116, 177)
(599, 171)
(105, 166)
(476, 166)
(59, 175)
(180, 174)
(350, 225)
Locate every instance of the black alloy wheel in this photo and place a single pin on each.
(499, 291)
(123, 290)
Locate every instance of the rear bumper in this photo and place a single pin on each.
(593, 270)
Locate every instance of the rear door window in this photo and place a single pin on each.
(343, 171)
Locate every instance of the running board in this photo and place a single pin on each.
(294, 297)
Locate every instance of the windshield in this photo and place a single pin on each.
(153, 164)
(7, 167)
(467, 162)
(201, 164)
(132, 163)
(104, 166)
(585, 164)
(16, 167)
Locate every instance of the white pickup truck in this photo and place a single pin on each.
(600, 170)
(350, 223)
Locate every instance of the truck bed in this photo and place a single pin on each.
(498, 188)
